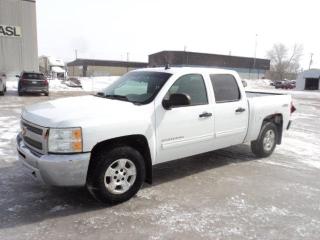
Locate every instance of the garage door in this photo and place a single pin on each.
(312, 84)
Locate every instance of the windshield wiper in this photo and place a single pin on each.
(118, 97)
(121, 98)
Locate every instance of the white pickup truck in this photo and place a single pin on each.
(109, 142)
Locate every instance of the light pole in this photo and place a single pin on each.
(310, 63)
(127, 61)
(255, 52)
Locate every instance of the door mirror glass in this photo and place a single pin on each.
(176, 100)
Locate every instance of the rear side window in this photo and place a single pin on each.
(225, 88)
(33, 76)
(194, 86)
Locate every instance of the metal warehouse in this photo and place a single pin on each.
(308, 80)
(246, 67)
(92, 67)
(18, 36)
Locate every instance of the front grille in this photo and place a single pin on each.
(33, 143)
(33, 129)
(34, 136)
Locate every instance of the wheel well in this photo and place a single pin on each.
(138, 142)
(277, 119)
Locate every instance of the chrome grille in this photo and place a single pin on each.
(34, 136)
(33, 129)
(33, 143)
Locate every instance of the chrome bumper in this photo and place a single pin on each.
(53, 169)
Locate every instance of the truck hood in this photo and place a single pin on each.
(73, 111)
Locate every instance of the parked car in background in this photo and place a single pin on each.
(3, 78)
(279, 84)
(73, 82)
(285, 84)
(32, 82)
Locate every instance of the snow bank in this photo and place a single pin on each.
(96, 83)
(258, 84)
(92, 84)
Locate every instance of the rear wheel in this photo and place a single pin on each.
(267, 140)
(46, 93)
(117, 175)
(20, 93)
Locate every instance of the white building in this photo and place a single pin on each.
(18, 36)
(308, 80)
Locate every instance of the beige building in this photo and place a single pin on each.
(91, 67)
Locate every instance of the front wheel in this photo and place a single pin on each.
(117, 175)
(266, 142)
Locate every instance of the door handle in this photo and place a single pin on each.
(205, 115)
(240, 110)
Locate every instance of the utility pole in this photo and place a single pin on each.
(311, 61)
(186, 55)
(255, 51)
(76, 53)
(127, 61)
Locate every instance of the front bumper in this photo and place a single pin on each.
(54, 169)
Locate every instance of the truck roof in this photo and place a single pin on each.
(188, 70)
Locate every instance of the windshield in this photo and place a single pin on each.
(33, 76)
(137, 87)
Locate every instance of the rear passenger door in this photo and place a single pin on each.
(230, 111)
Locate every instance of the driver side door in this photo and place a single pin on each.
(185, 130)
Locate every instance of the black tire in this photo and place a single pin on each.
(46, 94)
(5, 89)
(20, 93)
(105, 159)
(258, 147)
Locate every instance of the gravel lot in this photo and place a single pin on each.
(226, 194)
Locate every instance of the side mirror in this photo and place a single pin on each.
(176, 100)
(4, 75)
(244, 83)
(17, 76)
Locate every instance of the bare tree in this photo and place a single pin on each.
(285, 63)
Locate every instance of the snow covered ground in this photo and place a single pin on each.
(227, 194)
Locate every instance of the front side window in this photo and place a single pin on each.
(192, 85)
(225, 88)
(137, 87)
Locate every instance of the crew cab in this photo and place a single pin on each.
(109, 142)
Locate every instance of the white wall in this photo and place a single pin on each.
(19, 53)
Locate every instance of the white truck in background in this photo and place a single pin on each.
(109, 142)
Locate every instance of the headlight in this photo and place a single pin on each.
(65, 140)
